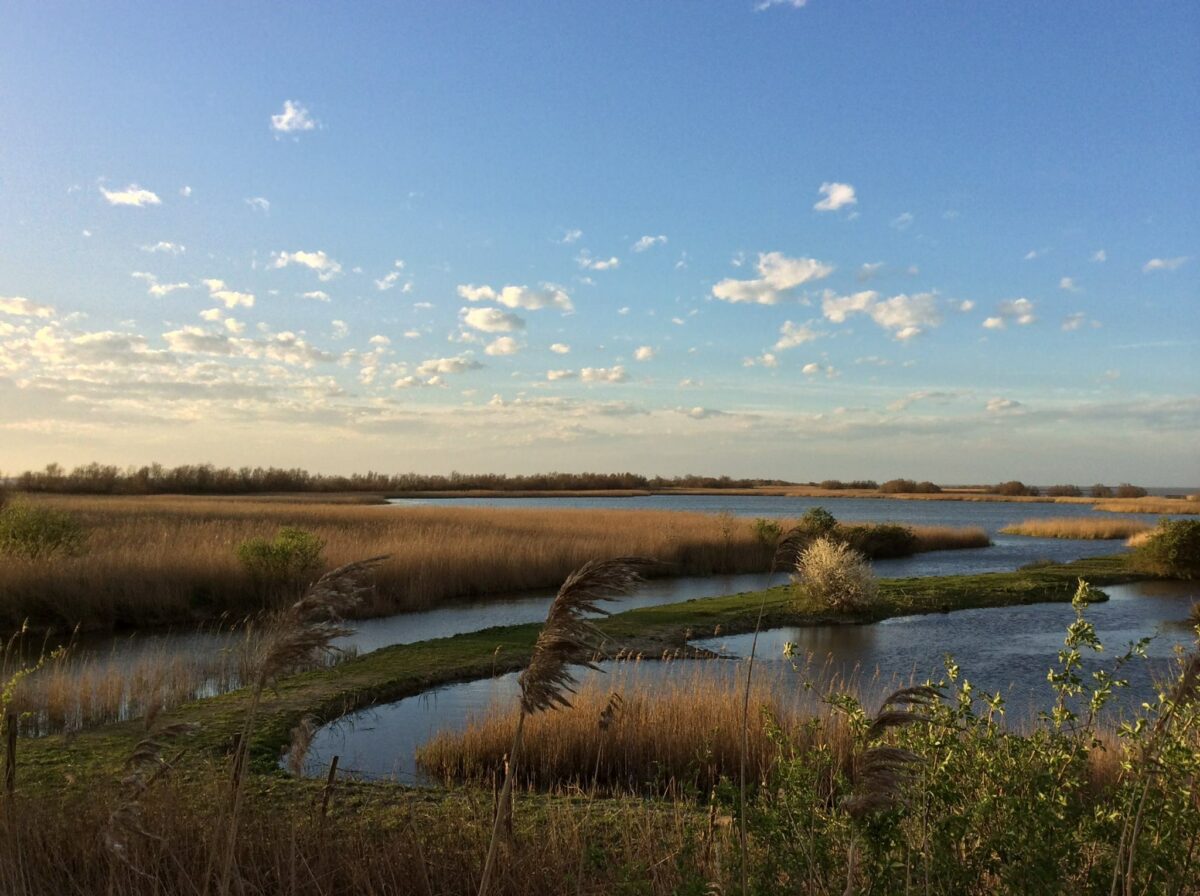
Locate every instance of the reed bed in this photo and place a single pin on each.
(1158, 506)
(169, 560)
(1078, 527)
(948, 538)
(622, 734)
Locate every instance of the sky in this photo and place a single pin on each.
(784, 239)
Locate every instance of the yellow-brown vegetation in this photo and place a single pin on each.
(1077, 527)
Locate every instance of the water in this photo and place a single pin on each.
(1007, 649)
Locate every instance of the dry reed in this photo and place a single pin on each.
(1077, 527)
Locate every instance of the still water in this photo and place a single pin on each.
(1007, 649)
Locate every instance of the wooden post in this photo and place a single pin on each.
(328, 792)
(10, 758)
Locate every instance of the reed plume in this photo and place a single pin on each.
(143, 767)
(303, 633)
(882, 772)
(568, 638)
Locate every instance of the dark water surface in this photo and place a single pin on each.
(1007, 649)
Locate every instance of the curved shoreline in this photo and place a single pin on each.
(392, 673)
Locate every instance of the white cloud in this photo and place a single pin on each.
(1033, 254)
(966, 305)
(325, 266)
(185, 191)
(869, 270)
(1018, 310)
(380, 340)
(604, 374)
(555, 375)
(339, 329)
(412, 334)
(764, 360)
(219, 291)
(811, 369)
(459, 364)
(1078, 321)
(837, 308)
(1100, 256)
(491, 320)
(164, 246)
(132, 195)
(903, 221)
(318, 295)
(293, 119)
(778, 274)
(764, 5)
(19, 306)
(154, 287)
(571, 236)
(623, 310)
(505, 345)
(836, 196)
(993, 323)
(549, 296)
(560, 348)
(644, 353)
(792, 335)
(1002, 405)
(1069, 284)
(648, 242)
(392, 277)
(905, 315)
(1164, 264)
(259, 204)
(588, 263)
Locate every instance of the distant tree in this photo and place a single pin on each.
(1014, 488)
(1064, 491)
(1101, 491)
(1125, 490)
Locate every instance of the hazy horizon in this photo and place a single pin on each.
(782, 239)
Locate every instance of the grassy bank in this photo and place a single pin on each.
(161, 560)
(1077, 527)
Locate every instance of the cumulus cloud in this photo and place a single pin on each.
(906, 316)
(458, 364)
(132, 195)
(868, 271)
(644, 353)
(491, 320)
(18, 306)
(165, 246)
(571, 236)
(390, 279)
(588, 263)
(1078, 321)
(648, 242)
(325, 267)
(764, 360)
(793, 334)
(1068, 284)
(903, 221)
(777, 275)
(218, 290)
(1164, 264)
(764, 5)
(339, 329)
(615, 374)
(548, 296)
(294, 118)
(966, 305)
(560, 348)
(993, 323)
(555, 375)
(836, 196)
(154, 287)
(505, 345)
(259, 204)
(1099, 256)
(317, 295)
(1019, 311)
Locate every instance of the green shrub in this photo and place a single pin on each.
(1125, 490)
(1099, 490)
(1014, 488)
(34, 533)
(1173, 549)
(294, 555)
(836, 575)
(879, 542)
(1065, 491)
(817, 522)
(767, 531)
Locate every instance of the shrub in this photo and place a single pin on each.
(292, 556)
(879, 541)
(1014, 488)
(1064, 491)
(34, 533)
(1101, 491)
(1125, 490)
(910, 487)
(817, 523)
(1173, 549)
(838, 485)
(767, 531)
(836, 575)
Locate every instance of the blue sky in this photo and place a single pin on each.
(957, 242)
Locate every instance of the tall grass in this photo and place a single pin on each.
(167, 560)
(1077, 527)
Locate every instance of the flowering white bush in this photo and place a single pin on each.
(836, 575)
